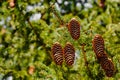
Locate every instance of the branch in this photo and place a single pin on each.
(57, 14)
(36, 32)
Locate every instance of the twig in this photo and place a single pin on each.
(33, 28)
(57, 14)
(85, 59)
(36, 32)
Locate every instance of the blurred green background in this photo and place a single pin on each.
(28, 28)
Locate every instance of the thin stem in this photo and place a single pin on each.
(57, 14)
(33, 28)
(84, 54)
(85, 59)
(36, 32)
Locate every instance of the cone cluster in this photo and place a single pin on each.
(105, 62)
(67, 53)
(59, 54)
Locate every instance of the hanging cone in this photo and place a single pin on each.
(74, 28)
(98, 46)
(69, 54)
(57, 53)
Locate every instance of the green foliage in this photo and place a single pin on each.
(25, 42)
